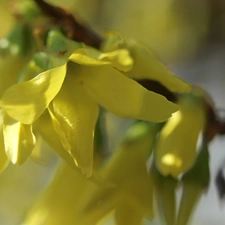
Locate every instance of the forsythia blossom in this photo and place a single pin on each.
(56, 90)
(176, 147)
(72, 90)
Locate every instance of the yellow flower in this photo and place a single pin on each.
(64, 200)
(127, 188)
(4, 160)
(72, 91)
(176, 147)
(146, 64)
(16, 50)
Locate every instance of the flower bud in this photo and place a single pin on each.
(175, 150)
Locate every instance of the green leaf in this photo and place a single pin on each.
(165, 196)
(194, 183)
(58, 44)
(19, 41)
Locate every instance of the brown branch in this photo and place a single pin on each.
(75, 30)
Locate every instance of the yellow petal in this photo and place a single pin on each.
(4, 160)
(45, 128)
(125, 175)
(127, 167)
(176, 146)
(147, 66)
(63, 201)
(19, 140)
(77, 114)
(119, 58)
(136, 148)
(87, 57)
(59, 130)
(123, 96)
(26, 101)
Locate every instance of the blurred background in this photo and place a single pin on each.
(189, 37)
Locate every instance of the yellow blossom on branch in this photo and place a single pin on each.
(127, 186)
(146, 64)
(72, 92)
(176, 146)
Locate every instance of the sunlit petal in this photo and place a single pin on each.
(177, 143)
(123, 96)
(119, 59)
(125, 177)
(59, 130)
(77, 115)
(88, 57)
(146, 64)
(19, 140)
(4, 160)
(26, 101)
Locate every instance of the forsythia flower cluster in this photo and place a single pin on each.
(55, 95)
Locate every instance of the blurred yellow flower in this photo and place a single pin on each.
(176, 147)
(63, 201)
(126, 189)
(73, 90)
